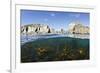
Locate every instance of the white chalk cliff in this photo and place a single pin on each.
(77, 28)
(73, 28)
(36, 29)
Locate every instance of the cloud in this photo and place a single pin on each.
(75, 15)
(52, 14)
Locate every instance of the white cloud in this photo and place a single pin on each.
(52, 14)
(75, 15)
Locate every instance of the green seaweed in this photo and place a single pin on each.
(55, 49)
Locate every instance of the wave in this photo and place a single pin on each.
(28, 38)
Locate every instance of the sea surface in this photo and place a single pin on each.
(27, 38)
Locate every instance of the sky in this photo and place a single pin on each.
(54, 19)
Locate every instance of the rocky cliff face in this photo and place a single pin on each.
(36, 29)
(74, 28)
(78, 28)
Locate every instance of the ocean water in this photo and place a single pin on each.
(28, 38)
(44, 48)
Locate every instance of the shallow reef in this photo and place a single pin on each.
(55, 49)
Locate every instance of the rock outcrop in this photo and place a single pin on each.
(36, 29)
(78, 28)
(74, 28)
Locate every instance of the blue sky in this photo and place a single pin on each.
(55, 19)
